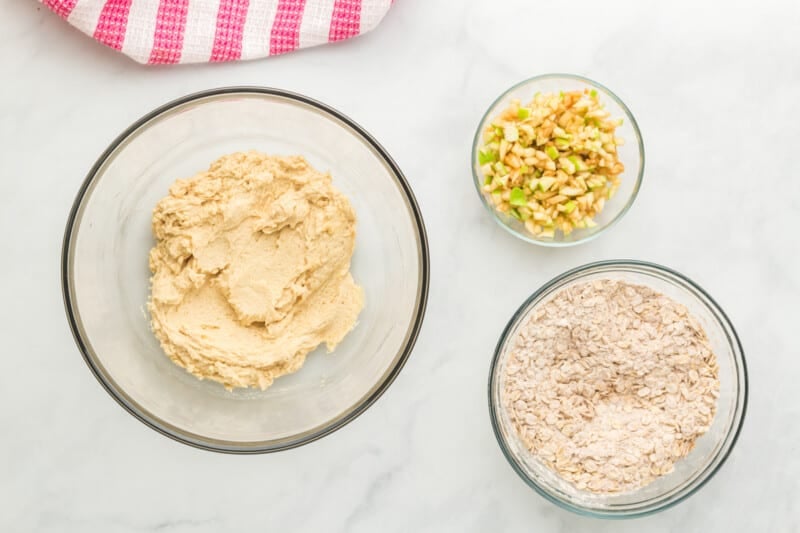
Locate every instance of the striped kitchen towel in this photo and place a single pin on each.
(193, 31)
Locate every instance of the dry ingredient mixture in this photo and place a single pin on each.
(552, 163)
(610, 383)
(251, 269)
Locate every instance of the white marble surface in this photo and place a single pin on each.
(715, 90)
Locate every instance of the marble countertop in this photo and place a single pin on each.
(715, 91)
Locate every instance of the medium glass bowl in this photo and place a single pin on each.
(711, 449)
(631, 154)
(105, 271)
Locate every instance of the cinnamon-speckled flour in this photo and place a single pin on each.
(610, 384)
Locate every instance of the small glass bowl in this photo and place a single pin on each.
(711, 450)
(631, 154)
(105, 275)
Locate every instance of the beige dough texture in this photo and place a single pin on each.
(251, 269)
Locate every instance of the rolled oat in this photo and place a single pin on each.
(610, 384)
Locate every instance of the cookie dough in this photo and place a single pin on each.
(251, 269)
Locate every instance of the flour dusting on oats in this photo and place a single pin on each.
(610, 384)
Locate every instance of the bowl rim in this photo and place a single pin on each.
(741, 372)
(250, 447)
(476, 179)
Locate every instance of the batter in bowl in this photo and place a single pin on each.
(251, 269)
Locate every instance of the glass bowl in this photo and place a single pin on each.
(105, 271)
(631, 154)
(711, 449)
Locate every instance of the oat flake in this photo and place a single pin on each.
(610, 383)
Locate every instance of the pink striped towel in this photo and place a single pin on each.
(193, 31)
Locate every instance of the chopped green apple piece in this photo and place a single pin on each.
(500, 181)
(514, 213)
(511, 134)
(569, 207)
(551, 152)
(580, 166)
(486, 157)
(546, 182)
(596, 181)
(570, 191)
(523, 113)
(517, 197)
(530, 226)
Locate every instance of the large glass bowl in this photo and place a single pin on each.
(631, 154)
(106, 276)
(711, 449)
